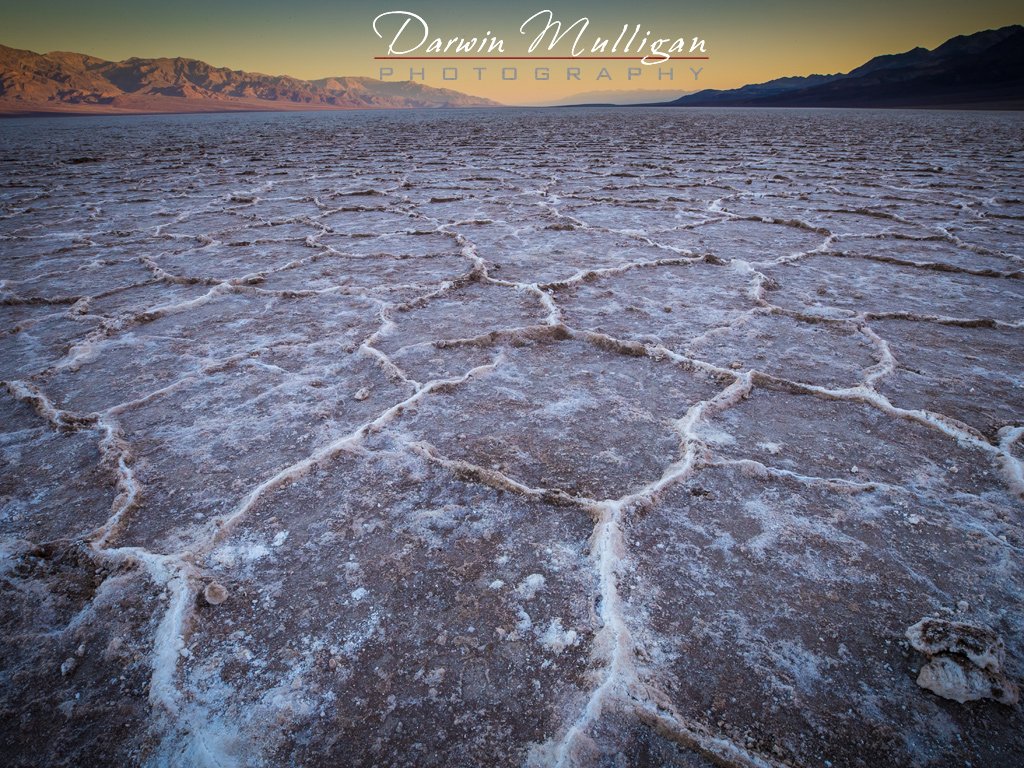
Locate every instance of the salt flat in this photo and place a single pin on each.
(564, 437)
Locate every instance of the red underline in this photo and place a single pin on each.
(536, 58)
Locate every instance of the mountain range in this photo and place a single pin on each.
(60, 82)
(983, 70)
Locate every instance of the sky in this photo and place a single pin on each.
(746, 41)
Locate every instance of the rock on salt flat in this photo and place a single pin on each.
(458, 440)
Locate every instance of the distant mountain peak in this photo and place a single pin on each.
(69, 82)
(983, 70)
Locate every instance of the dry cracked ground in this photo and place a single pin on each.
(508, 438)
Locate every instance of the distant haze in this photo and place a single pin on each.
(614, 97)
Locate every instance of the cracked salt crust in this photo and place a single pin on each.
(537, 452)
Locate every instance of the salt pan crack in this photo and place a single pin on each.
(534, 451)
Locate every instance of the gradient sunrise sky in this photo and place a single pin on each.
(747, 40)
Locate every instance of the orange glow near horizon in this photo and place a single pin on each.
(747, 42)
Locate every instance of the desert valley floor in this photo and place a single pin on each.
(577, 438)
